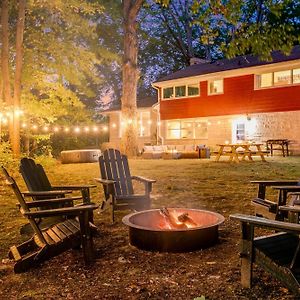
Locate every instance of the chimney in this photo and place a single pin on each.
(198, 61)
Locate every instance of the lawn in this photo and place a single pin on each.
(124, 272)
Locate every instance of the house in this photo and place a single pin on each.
(147, 123)
(232, 100)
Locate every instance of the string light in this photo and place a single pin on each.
(105, 128)
(114, 125)
(34, 127)
(77, 130)
(56, 129)
(86, 129)
(129, 121)
(149, 122)
(46, 128)
(4, 121)
(67, 129)
(24, 125)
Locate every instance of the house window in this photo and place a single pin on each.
(278, 78)
(296, 76)
(240, 132)
(173, 130)
(187, 129)
(215, 87)
(168, 93)
(144, 123)
(193, 90)
(181, 91)
(282, 78)
(266, 80)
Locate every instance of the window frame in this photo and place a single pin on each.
(257, 80)
(208, 87)
(186, 91)
(194, 121)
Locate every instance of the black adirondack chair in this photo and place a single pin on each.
(288, 193)
(36, 179)
(57, 238)
(277, 253)
(118, 186)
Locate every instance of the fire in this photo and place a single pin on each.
(175, 220)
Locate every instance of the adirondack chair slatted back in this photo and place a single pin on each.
(114, 166)
(24, 207)
(34, 175)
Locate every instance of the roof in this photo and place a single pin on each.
(238, 62)
(145, 102)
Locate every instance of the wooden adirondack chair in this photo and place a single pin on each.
(277, 253)
(36, 179)
(57, 238)
(269, 209)
(117, 183)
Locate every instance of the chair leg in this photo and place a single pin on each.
(247, 255)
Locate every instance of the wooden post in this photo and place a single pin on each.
(246, 254)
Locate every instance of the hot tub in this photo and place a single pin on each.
(80, 156)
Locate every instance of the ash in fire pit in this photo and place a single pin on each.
(173, 229)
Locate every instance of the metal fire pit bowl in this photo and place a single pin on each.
(147, 232)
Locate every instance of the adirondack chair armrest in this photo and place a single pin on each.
(147, 183)
(75, 211)
(266, 223)
(73, 187)
(275, 182)
(47, 202)
(287, 188)
(143, 179)
(45, 193)
(105, 181)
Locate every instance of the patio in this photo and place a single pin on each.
(124, 272)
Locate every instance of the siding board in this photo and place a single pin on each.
(239, 98)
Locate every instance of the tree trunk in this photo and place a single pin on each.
(129, 142)
(5, 54)
(18, 73)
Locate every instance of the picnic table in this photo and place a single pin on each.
(282, 145)
(246, 151)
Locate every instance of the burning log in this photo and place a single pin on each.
(185, 218)
(183, 221)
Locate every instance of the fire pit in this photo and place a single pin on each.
(173, 229)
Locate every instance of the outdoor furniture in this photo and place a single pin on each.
(248, 150)
(56, 239)
(283, 146)
(269, 209)
(118, 186)
(36, 179)
(277, 253)
(163, 151)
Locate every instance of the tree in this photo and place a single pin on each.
(130, 75)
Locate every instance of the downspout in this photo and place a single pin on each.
(159, 136)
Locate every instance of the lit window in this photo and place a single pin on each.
(216, 87)
(144, 122)
(282, 78)
(168, 93)
(180, 91)
(296, 76)
(193, 90)
(173, 130)
(240, 132)
(187, 129)
(266, 80)
(201, 130)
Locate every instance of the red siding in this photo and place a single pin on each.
(239, 98)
